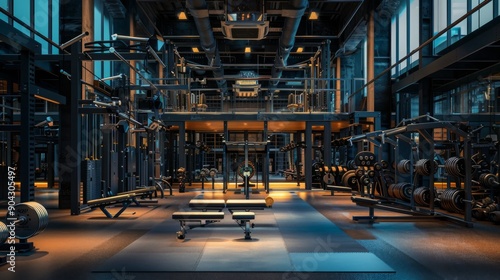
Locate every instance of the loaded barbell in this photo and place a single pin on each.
(30, 218)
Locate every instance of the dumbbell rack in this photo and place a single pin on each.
(396, 205)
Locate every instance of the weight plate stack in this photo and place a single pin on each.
(422, 196)
(403, 166)
(401, 191)
(349, 179)
(213, 172)
(455, 166)
(425, 167)
(452, 200)
(33, 219)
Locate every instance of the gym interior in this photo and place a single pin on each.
(291, 139)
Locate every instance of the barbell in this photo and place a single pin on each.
(31, 218)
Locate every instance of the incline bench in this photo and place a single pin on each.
(333, 188)
(125, 198)
(239, 209)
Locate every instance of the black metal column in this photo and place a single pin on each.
(265, 168)
(70, 142)
(50, 164)
(308, 156)
(226, 166)
(27, 159)
(327, 144)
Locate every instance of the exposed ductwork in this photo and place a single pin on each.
(199, 11)
(287, 39)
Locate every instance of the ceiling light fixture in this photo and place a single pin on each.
(195, 49)
(248, 50)
(182, 15)
(313, 15)
(300, 49)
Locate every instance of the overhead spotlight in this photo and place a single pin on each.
(313, 15)
(248, 50)
(300, 49)
(182, 15)
(195, 49)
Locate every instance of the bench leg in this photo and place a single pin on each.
(105, 211)
(124, 207)
(181, 234)
(245, 225)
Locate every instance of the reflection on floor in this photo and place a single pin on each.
(305, 235)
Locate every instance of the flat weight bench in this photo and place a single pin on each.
(207, 204)
(245, 204)
(102, 203)
(243, 219)
(203, 218)
(333, 188)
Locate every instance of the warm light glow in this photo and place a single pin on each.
(313, 15)
(195, 49)
(182, 16)
(248, 50)
(300, 49)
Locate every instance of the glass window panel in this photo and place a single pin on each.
(55, 24)
(5, 5)
(394, 52)
(486, 13)
(42, 23)
(475, 16)
(22, 10)
(414, 28)
(458, 9)
(97, 21)
(440, 23)
(403, 46)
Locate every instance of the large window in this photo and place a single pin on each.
(102, 32)
(405, 35)
(446, 12)
(41, 15)
(4, 4)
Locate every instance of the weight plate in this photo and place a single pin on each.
(328, 178)
(4, 233)
(33, 217)
(213, 172)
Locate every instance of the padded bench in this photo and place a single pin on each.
(207, 204)
(243, 219)
(333, 188)
(102, 203)
(143, 192)
(245, 204)
(202, 217)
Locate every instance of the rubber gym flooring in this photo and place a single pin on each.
(305, 235)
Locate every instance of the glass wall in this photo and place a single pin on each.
(102, 32)
(405, 35)
(446, 12)
(41, 15)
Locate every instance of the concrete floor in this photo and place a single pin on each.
(73, 247)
